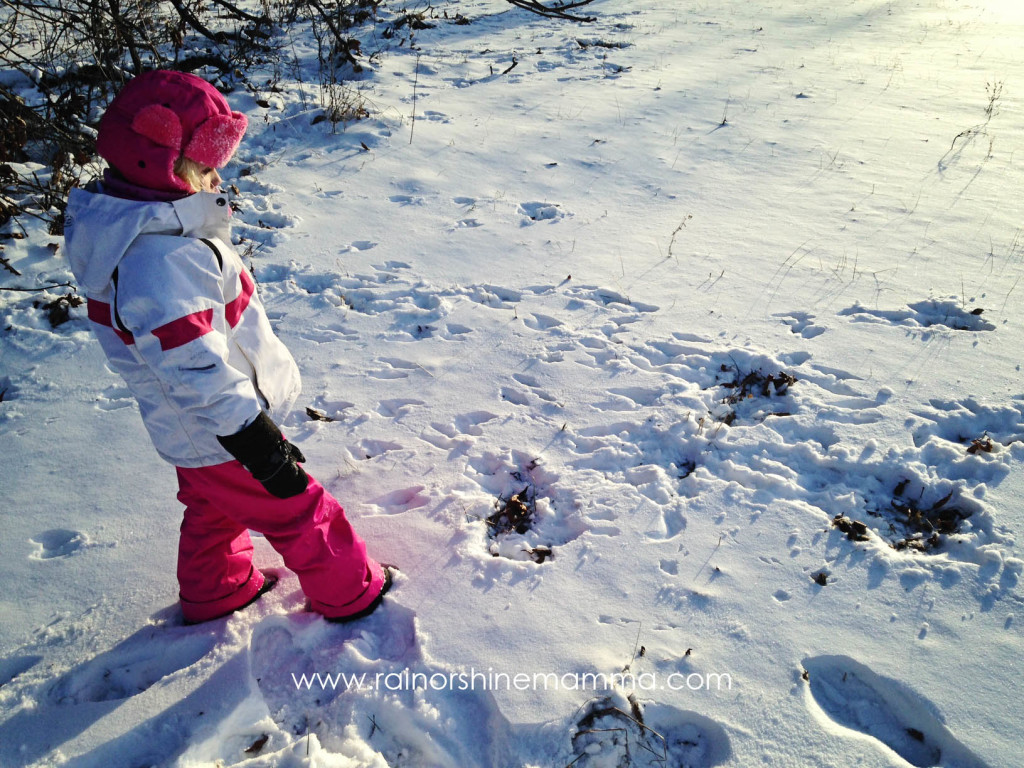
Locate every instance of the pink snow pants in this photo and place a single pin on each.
(310, 531)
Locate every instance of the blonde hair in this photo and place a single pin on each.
(190, 172)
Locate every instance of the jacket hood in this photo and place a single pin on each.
(99, 228)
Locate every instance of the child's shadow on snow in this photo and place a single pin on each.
(77, 699)
(136, 663)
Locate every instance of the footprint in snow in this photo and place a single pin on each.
(302, 662)
(850, 694)
(368, 683)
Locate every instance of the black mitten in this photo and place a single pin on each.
(270, 458)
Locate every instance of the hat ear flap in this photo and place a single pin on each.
(216, 139)
(159, 124)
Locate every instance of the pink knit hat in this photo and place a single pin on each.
(161, 115)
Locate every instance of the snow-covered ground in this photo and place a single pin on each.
(728, 295)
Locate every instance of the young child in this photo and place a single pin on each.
(177, 314)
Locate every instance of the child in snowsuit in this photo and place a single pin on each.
(177, 314)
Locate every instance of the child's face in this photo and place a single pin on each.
(211, 180)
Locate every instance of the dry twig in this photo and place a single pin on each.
(560, 10)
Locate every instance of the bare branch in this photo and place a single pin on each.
(557, 11)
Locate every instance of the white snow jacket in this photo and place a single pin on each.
(178, 316)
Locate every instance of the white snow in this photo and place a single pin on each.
(557, 286)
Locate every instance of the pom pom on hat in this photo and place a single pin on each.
(160, 115)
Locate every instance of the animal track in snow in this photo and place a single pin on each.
(932, 313)
(358, 245)
(370, 449)
(417, 309)
(396, 407)
(457, 437)
(391, 265)
(393, 368)
(650, 456)
(493, 296)
(694, 416)
(852, 695)
(8, 391)
(115, 398)
(517, 396)
(434, 116)
(539, 322)
(470, 423)
(629, 399)
(407, 200)
(590, 296)
(327, 332)
(275, 220)
(801, 323)
(255, 211)
(402, 500)
(328, 409)
(537, 211)
(979, 428)
(671, 567)
(59, 542)
(13, 666)
(670, 522)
